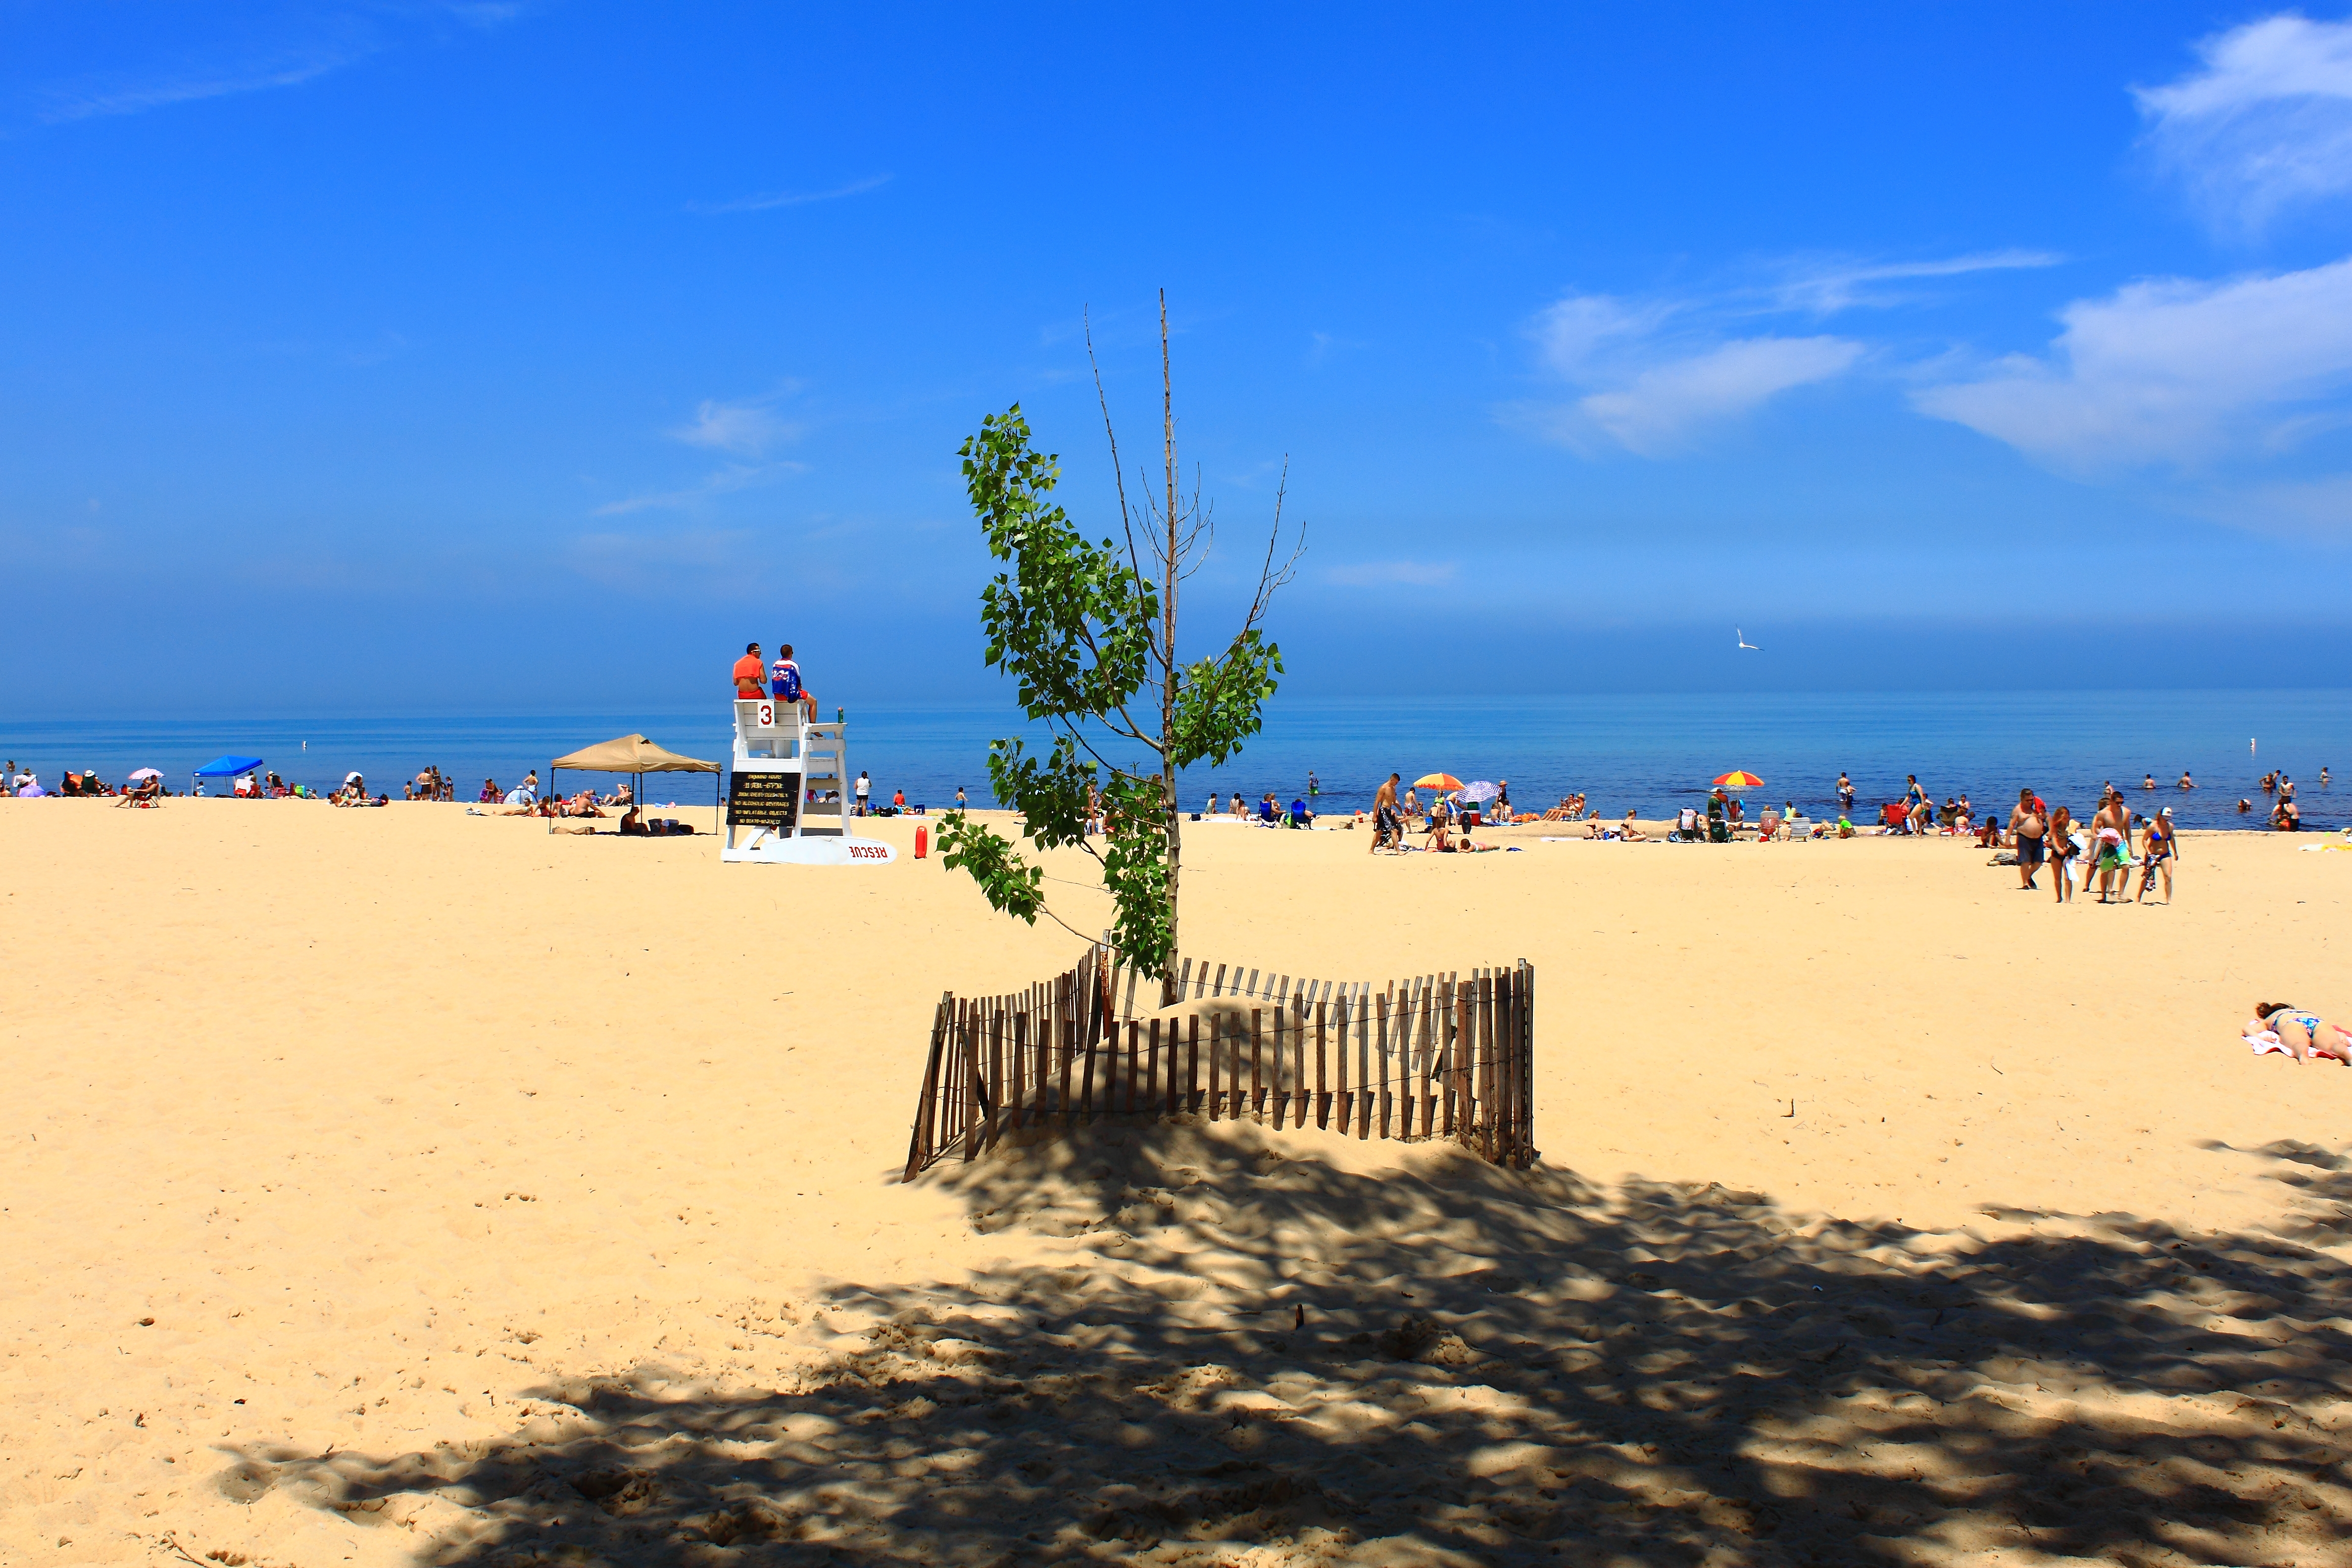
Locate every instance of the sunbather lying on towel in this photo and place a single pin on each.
(2304, 1034)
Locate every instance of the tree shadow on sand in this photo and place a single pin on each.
(1251, 1355)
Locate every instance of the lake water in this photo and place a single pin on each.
(1651, 752)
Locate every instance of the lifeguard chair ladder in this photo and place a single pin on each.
(787, 792)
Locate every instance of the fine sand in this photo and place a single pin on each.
(399, 1186)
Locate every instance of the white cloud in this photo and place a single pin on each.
(97, 100)
(2264, 123)
(1389, 574)
(1584, 328)
(748, 429)
(2172, 371)
(1824, 286)
(728, 480)
(241, 58)
(773, 199)
(1667, 404)
(1656, 374)
(1652, 391)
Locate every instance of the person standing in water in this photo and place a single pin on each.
(1845, 793)
(1313, 788)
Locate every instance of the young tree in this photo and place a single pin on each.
(1090, 634)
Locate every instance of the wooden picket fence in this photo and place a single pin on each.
(1434, 1057)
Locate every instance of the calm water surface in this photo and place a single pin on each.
(1649, 753)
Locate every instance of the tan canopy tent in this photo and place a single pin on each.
(634, 754)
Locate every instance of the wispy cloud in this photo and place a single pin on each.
(93, 101)
(1392, 573)
(749, 428)
(1655, 390)
(746, 428)
(2264, 123)
(310, 44)
(1824, 286)
(2172, 372)
(1656, 375)
(729, 480)
(1663, 406)
(773, 199)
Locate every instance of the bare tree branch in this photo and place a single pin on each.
(1117, 469)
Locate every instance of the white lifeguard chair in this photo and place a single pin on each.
(788, 791)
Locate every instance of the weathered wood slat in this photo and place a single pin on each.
(1151, 1072)
(1216, 1052)
(1347, 1103)
(1322, 1065)
(1299, 1066)
(1434, 1055)
(1257, 1065)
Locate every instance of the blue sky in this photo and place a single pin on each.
(534, 357)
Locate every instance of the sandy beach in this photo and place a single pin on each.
(401, 1187)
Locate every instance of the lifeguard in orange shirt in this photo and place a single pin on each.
(750, 675)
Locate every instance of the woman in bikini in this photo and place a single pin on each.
(2159, 847)
(2305, 1035)
(2062, 850)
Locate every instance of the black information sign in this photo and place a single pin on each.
(763, 800)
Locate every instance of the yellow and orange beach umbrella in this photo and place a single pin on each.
(1437, 781)
(1739, 779)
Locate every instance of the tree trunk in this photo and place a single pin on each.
(1168, 996)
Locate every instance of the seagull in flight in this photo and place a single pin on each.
(1750, 646)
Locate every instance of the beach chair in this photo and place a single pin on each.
(1896, 815)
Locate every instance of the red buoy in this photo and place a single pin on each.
(922, 842)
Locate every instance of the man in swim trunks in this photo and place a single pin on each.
(1385, 828)
(1845, 793)
(2111, 832)
(2025, 828)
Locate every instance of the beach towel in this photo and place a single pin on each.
(2266, 1043)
